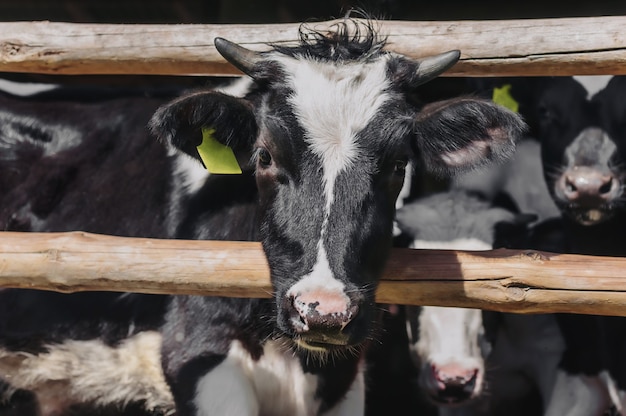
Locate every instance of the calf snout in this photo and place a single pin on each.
(320, 316)
(588, 186)
(452, 383)
(587, 193)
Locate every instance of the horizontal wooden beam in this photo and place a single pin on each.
(502, 280)
(562, 46)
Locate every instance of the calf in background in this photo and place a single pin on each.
(474, 362)
(580, 123)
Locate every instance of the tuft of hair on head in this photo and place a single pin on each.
(351, 39)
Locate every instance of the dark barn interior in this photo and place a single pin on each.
(275, 11)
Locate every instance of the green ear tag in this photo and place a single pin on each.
(502, 96)
(217, 157)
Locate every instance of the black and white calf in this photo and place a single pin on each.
(580, 123)
(452, 346)
(322, 132)
(330, 127)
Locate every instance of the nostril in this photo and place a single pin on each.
(570, 187)
(588, 186)
(606, 187)
(297, 315)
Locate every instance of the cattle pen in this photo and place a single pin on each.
(503, 280)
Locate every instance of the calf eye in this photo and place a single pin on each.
(546, 114)
(264, 158)
(399, 167)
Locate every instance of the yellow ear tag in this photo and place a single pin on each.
(502, 96)
(217, 157)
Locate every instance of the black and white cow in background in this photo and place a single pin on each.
(449, 345)
(323, 135)
(84, 162)
(475, 362)
(580, 122)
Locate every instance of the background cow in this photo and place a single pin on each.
(323, 135)
(579, 124)
(453, 346)
(77, 159)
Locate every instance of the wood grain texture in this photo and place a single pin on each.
(503, 280)
(561, 46)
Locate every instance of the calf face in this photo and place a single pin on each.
(328, 128)
(450, 345)
(581, 129)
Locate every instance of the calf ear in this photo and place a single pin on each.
(463, 133)
(181, 122)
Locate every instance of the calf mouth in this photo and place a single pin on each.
(455, 395)
(451, 390)
(322, 343)
(590, 216)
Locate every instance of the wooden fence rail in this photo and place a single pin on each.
(563, 46)
(503, 280)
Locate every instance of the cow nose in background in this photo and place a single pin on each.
(587, 185)
(452, 383)
(322, 314)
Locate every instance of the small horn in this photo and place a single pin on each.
(433, 66)
(242, 58)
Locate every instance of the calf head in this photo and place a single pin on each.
(330, 128)
(580, 123)
(450, 348)
(450, 345)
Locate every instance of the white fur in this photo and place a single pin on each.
(188, 177)
(25, 88)
(405, 192)
(238, 88)
(617, 396)
(333, 103)
(606, 147)
(593, 83)
(528, 347)
(354, 402)
(451, 335)
(92, 372)
(63, 136)
(467, 244)
(189, 174)
(444, 331)
(578, 395)
(321, 277)
(273, 385)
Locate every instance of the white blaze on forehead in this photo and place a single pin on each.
(333, 102)
(321, 277)
(449, 335)
(604, 147)
(593, 83)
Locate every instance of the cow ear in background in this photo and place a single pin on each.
(457, 135)
(226, 120)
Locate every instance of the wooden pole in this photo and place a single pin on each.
(503, 280)
(563, 46)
